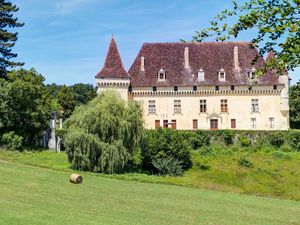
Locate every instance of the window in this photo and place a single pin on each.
(232, 87)
(253, 123)
(233, 123)
(254, 105)
(195, 124)
(271, 122)
(222, 75)
(216, 88)
(165, 123)
(157, 124)
(250, 88)
(224, 108)
(151, 106)
(173, 124)
(177, 106)
(203, 105)
(275, 87)
(251, 74)
(201, 75)
(161, 75)
(154, 89)
(175, 88)
(129, 89)
(194, 88)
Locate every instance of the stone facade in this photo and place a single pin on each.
(199, 86)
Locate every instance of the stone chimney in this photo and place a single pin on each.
(236, 58)
(142, 63)
(186, 58)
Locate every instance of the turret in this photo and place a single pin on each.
(113, 75)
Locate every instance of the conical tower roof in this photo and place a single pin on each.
(113, 66)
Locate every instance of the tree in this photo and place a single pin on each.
(7, 38)
(83, 93)
(277, 23)
(103, 135)
(66, 99)
(295, 105)
(25, 104)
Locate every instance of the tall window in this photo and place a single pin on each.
(151, 106)
(271, 122)
(233, 123)
(195, 124)
(177, 106)
(201, 75)
(224, 107)
(254, 105)
(203, 105)
(173, 122)
(253, 123)
(165, 123)
(157, 124)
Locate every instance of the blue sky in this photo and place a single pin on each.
(67, 40)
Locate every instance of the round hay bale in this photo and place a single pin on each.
(76, 178)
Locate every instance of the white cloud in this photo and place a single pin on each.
(70, 6)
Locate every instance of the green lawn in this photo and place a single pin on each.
(31, 195)
(272, 175)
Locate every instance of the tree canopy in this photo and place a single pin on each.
(277, 27)
(103, 135)
(7, 37)
(25, 104)
(295, 105)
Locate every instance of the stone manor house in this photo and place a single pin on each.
(210, 85)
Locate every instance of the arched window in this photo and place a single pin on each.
(161, 75)
(201, 75)
(222, 75)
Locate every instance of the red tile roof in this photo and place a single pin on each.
(210, 56)
(113, 66)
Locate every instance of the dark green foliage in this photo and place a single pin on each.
(276, 140)
(295, 106)
(103, 135)
(206, 151)
(198, 139)
(276, 23)
(164, 143)
(168, 166)
(227, 136)
(244, 141)
(243, 161)
(7, 38)
(66, 99)
(12, 141)
(83, 93)
(295, 140)
(25, 104)
(202, 165)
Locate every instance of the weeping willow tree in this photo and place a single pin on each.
(103, 135)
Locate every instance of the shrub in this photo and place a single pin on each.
(12, 141)
(164, 143)
(228, 136)
(168, 166)
(295, 140)
(244, 142)
(277, 140)
(245, 162)
(198, 139)
(202, 165)
(281, 155)
(206, 151)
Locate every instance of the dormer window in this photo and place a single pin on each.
(161, 75)
(201, 75)
(222, 75)
(251, 74)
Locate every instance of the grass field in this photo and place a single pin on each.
(272, 175)
(31, 195)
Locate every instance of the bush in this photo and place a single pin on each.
(245, 162)
(228, 136)
(199, 139)
(277, 140)
(202, 165)
(12, 141)
(206, 151)
(168, 166)
(295, 140)
(244, 142)
(164, 143)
